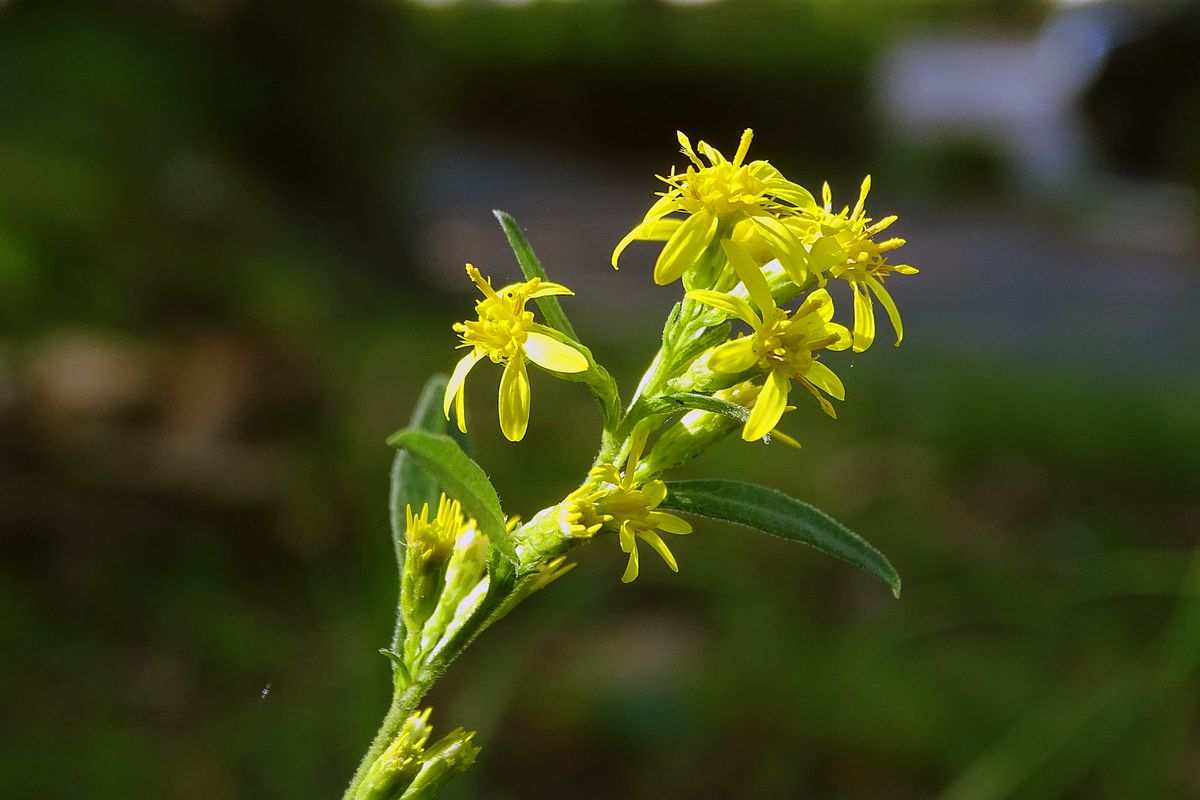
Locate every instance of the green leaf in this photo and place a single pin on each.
(462, 478)
(412, 485)
(550, 307)
(779, 515)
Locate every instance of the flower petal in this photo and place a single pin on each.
(733, 306)
(732, 357)
(751, 276)
(671, 523)
(864, 318)
(514, 399)
(554, 355)
(769, 406)
(824, 378)
(655, 541)
(889, 305)
(685, 247)
(631, 568)
(545, 289)
(454, 386)
(663, 206)
(785, 246)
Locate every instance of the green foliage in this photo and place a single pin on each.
(775, 513)
(532, 268)
(462, 479)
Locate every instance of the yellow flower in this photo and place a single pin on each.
(615, 501)
(506, 333)
(843, 244)
(782, 344)
(720, 198)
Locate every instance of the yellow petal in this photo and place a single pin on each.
(889, 305)
(671, 523)
(686, 148)
(514, 399)
(826, 406)
(545, 289)
(733, 306)
(661, 230)
(862, 196)
(460, 410)
(553, 355)
(751, 276)
(655, 541)
(743, 147)
(823, 377)
(685, 247)
(458, 378)
(769, 406)
(654, 493)
(711, 153)
(785, 246)
(732, 357)
(631, 568)
(864, 318)
(779, 436)
(662, 207)
(825, 254)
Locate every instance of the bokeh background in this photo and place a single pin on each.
(231, 245)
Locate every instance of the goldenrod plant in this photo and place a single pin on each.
(751, 249)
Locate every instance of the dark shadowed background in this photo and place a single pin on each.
(231, 247)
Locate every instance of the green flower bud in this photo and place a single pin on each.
(443, 760)
(394, 771)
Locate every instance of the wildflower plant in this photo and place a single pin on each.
(752, 249)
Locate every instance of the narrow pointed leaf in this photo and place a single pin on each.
(779, 515)
(550, 307)
(462, 479)
(411, 485)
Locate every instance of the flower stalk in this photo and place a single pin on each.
(745, 242)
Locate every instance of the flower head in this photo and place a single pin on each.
(615, 501)
(506, 333)
(843, 245)
(719, 197)
(781, 344)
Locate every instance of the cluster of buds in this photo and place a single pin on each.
(412, 769)
(443, 581)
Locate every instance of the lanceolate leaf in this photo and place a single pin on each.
(779, 515)
(462, 478)
(550, 307)
(412, 485)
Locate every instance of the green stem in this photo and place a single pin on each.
(404, 703)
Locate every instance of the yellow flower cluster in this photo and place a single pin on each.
(746, 241)
(758, 216)
(615, 501)
(506, 333)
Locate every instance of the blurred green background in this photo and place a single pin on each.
(231, 242)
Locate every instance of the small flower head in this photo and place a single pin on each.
(719, 197)
(409, 769)
(843, 245)
(506, 334)
(781, 344)
(431, 547)
(615, 501)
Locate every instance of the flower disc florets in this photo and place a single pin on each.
(720, 198)
(506, 334)
(616, 502)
